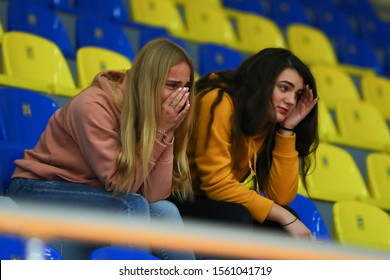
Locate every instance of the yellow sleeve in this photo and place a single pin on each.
(214, 163)
(283, 180)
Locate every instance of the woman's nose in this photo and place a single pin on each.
(290, 98)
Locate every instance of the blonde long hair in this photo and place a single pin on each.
(140, 112)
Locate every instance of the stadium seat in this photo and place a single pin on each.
(247, 6)
(100, 32)
(216, 58)
(336, 176)
(215, 3)
(333, 22)
(250, 28)
(310, 44)
(9, 152)
(25, 115)
(311, 217)
(35, 63)
(286, 12)
(334, 84)
(376, 90)
(361, 125)
(378, 179)
(15, 247)
(207, 24)
(326, 125)
(359, 224)
(159, 13)
(1, 32)
(36, 19)
(147, 33)
(120, 253)
(359, 57)
(114, 10)
(92, 60)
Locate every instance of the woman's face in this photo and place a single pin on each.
(288, 87)
(178, 76)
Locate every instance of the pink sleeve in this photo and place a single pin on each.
(96, 130)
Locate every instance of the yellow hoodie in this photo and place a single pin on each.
(212, 169)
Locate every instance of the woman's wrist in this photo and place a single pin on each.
(285, 130)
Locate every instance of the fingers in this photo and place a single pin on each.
(178, 98)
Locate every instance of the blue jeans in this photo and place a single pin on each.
(80, 195)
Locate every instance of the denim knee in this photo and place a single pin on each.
(164, 209)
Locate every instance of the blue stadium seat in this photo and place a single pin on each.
(311, 217)
(334, 23)
(24, 115)
(249, 6)
(9, 152)
(114, 10)
(100, 32)
(120, 253)
(360, 53)
(15, 247)
(285, 12)
(216, 58)
(39, 20)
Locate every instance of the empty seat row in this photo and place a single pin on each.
(229, 26)
(337, 177)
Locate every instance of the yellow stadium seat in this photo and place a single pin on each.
(160, 13)
(376, 90)
(1, 32)
(334, 84)
(361, 125)
(207, 24)
(255, 32)
(92, 60)
(327, 127)
(378, 179)
(362, 225)
(35, 63)
(310, 44)
(336, 176)
(216, 3)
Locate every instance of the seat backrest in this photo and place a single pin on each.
(255, 32)
(120, 253)
(360, 224)
(1, 32)
(334, 84)
(361, 125)
(207, 24)
(378, 176)
(29, 57)
(336, 176)
(376, 91)
(217, 57)
(92, 60)
(36, 19)
(311, 217)
(109, 9)
(9, 152)
(359, 53)
(310, 44)
(100, 32)
(333, 22)
(160, 13)
(286, 12)
(248, 6)
(14, 247)
(25, 114)
(326, 125)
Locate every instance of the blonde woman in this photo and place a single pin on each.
(121, 143)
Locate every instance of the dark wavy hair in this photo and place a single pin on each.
(251, 86)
